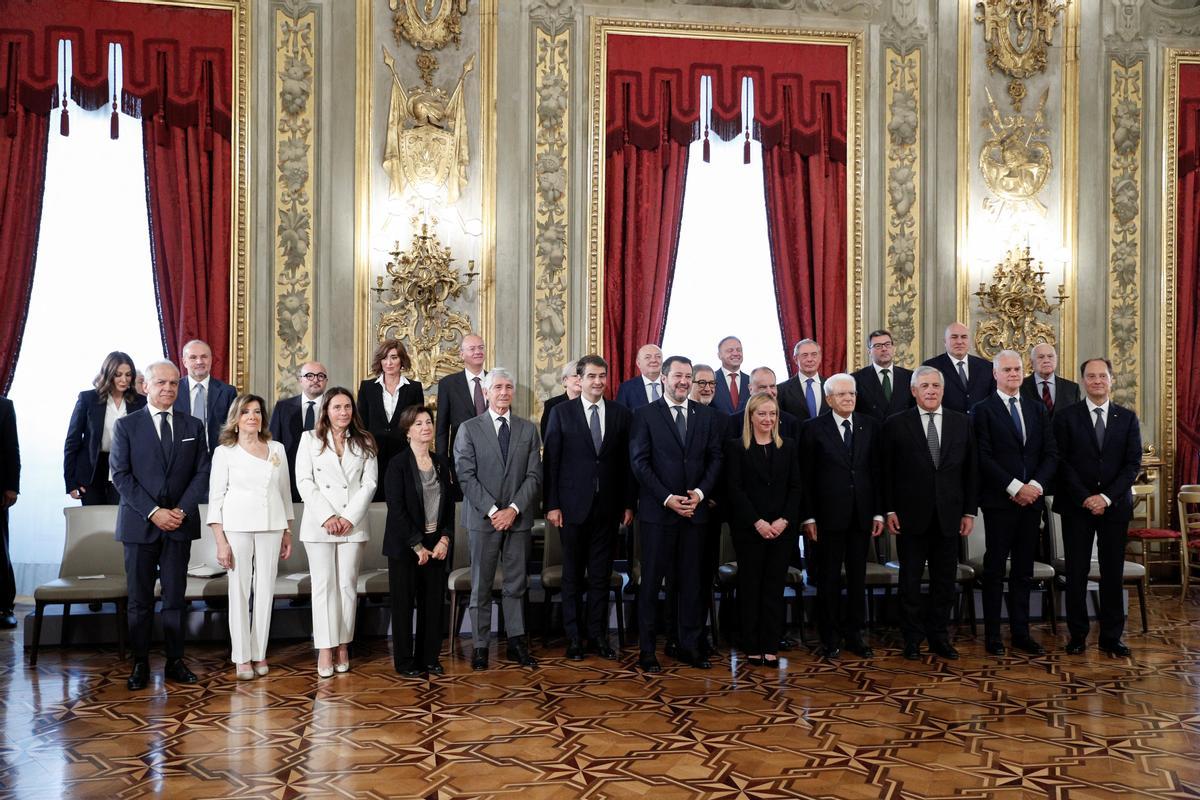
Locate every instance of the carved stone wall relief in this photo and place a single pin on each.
(902, 211)
(1125, 228)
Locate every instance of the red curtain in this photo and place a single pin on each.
(177, 78)
(654, 114)
(1187, 281)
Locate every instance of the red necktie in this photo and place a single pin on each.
(1046, 398)
(733, 390)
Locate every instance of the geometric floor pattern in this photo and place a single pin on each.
(1057, 726)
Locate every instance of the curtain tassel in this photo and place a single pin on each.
(114, 124)
(707, 149)
(64, 122)
(746, 150)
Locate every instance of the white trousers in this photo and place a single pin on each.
(255, 564)
(333, 568)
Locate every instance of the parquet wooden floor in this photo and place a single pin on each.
(1018, 727)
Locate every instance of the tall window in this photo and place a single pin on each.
(724, 284)
(93, 292)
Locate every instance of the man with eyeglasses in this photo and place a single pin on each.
(704, 384)
(883, 387)
(295, 415)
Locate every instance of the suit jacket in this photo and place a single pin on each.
(331, 485)
(287, 426)
(576, 476)
(84, 434)
(980, 381)
(870, 399)
(789, 426)
(760, 487)
(487, 480)
(793, 401)
(1085, 469)
(455, 405)
(246, 493)
(1003, 457)
(917, 491)
(841, 490)
(721, 400)
(406, 505)
(1066, 393)
(663, 465)
(220, 397)
(10, 450)
(632, 393)
(145, 480)
(374, 416)
(547, 407)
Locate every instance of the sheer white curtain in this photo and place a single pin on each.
(93, 292)
(724, 285)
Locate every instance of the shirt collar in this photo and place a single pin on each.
(496, 417)
(647, 382)
(1007, 397)
(731, 373)
(1092, 406)
(806, 378)
(193, 384)
(403, 381)
(672, 404)
(891, 368)
(472, 376)
(840, 419)
(587, 404)
(937, 412)
(156, 410)
(1039, 380)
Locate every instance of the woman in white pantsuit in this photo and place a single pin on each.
(250, 513)
(336, 473)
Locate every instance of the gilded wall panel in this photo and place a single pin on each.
(1125, 228)
(902, 211)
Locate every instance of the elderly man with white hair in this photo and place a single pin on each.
(497, 456)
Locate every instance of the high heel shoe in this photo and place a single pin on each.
(261, 668)
(343, 667)
(246, 674)
(324, 672)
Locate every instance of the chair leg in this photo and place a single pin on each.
(1141, 590)
(66, 621)
(620, 609)
(1051, 607)
(452, 634)
(547, 610)
(712, 613)
(122, 622)
(38, 611)
(974, 616)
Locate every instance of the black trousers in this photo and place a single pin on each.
(926, 617)
(838, 549)
(1011, 540)
(166, 560)
(102, 492)
(672, 552)
(762, 574)
(424, 588)
(588, 551)
(1079, 531)
(8, 582)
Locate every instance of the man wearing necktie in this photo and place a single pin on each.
(461, 395)
(646, 387)
(675, 452)
(1100, 455)
(589, 491)
(200, 394)
(968, 378)
(803, 394)
(1043, 384)
(497, 457)
(1018, 457)
(882, 384)
(733, 385)
(293, 416)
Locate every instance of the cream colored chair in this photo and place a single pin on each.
(92, 570)
(373, 574)
(1189, 524)
(1155, 545)
(1043, 574)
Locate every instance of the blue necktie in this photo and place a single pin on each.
(810, 398)
(165, 438)
(597, 440)
(848, 438)
(654, 392)
(503, 436)
(1016, 418)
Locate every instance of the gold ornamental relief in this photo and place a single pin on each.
(1015, 159)
(1013, 304)
(424, 27)
(1017, 33)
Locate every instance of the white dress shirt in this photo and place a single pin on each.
(1091, 407)
(1015, 484)
(112, 413)
(389, 398)
(647, 383)
(158, 421)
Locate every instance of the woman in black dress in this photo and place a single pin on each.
(383, 398)
(89, 435)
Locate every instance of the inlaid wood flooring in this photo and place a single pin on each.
(1017, 727)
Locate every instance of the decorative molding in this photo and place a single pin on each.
(551, 185)
(863, 9)
(902, 212)
(1125, 228)
(428, 30)
(552, 15)
(1175, 17)
(903, 30)
(1127, 21)
(295, 76)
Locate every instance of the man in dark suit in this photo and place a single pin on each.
(589, 490)
(1100, 455)
(883, 387)
(647, 386)
(839, 456)
(10, 487)
(1017, 460)
(204, 397)
(704, 384)
(762, 381)
(570, 383)
(968, 378)
(733, 385)
(160, 466)
(930, 491)
(1052, 391)
(803, 395)
(675, 451)
(460, 395)
(292, 416)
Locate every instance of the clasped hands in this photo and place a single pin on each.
(1027, 495)
(337, 526)
(684, 505)
(1095, 504)
(770, 530)
(503, 518)
(438, 552)
(168, 519)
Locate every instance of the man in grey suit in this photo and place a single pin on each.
(497, 456)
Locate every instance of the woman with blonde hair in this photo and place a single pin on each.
(250, 513)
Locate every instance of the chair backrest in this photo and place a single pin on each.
(204, 549)
(977, 541)
(374, 558)
(1189, 511)
(298, 560)
(1054, 530)
(552, 547)
(1144, 504)
(90, 547)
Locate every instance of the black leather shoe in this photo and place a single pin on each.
(518, 651)
(995, 647)
(8, 619)
(602, 648)
(945, 650)
(1028, 645)
(479, 659)
(435, 668)
(1117, 648)
(706, 648)
(140, 677)
(829, 651)
(672, 649)
(860, 648)
(786, 643)
(1076, 646)
(912, 651)
(693, 659)
(755, 661)
(648, 663)
(575, 650)
(412, 671)
(177, 671)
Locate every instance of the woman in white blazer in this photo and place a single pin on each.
(250, 513)
(337, 470)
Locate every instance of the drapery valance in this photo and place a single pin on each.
(654, 92)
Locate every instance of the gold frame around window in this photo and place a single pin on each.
(601, 27)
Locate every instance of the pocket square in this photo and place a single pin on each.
(181, 441)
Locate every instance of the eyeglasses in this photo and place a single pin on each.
(314, 376)
(704, 383)
(878, 345)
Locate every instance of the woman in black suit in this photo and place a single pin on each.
(383, 398)
(420, 522)
(762, 489)
(89, 435)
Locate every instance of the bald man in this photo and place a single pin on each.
(647, 386)
(461, 395)
(968, 378)
(292, 416)
(1045, 384)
